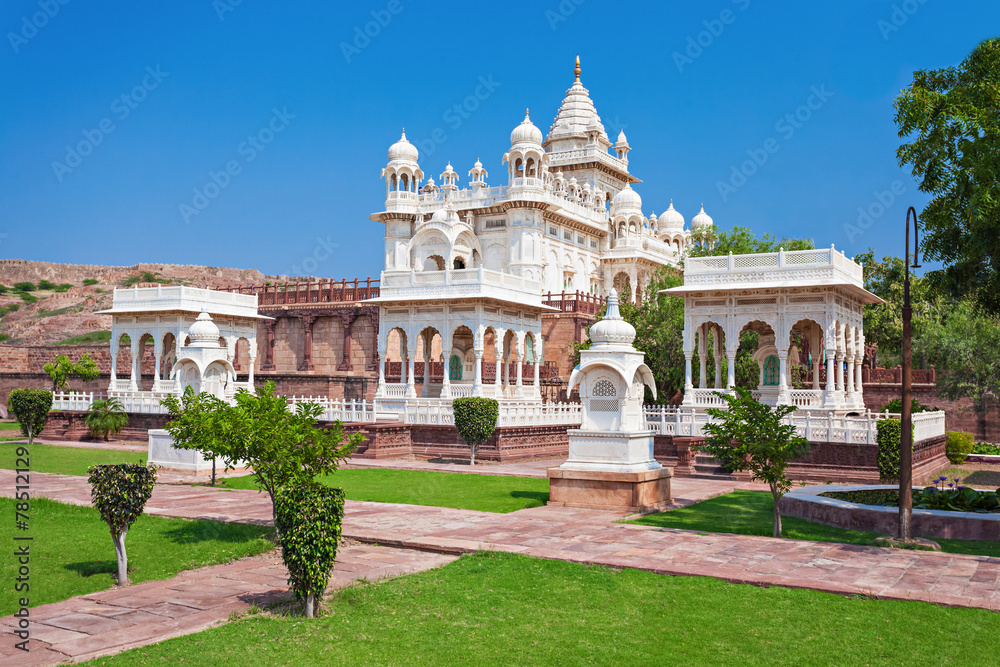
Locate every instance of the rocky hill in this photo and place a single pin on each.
(64, 297)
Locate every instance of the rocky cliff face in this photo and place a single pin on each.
(57, 316)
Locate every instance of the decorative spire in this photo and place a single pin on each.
(576, 69)
(526, 114)
(612, 312)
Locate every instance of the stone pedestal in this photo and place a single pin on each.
(605, 490)
(163, 454)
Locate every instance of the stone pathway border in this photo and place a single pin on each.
(111, 621)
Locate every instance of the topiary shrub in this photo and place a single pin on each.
(308, 519)
(475, 419)
(889, 434)
(119, 492)
(31, 407)
(959, 446)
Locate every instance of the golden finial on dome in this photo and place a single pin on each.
(576, 70)
(526, 113)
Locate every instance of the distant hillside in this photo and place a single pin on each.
(43, 303)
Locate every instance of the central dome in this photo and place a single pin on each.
(612, 329)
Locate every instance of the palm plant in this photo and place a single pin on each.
(106, 417)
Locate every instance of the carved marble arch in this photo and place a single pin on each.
(467, 248)
(395, 344)
(426, 339)
(490, 343)
(714, 327)
(808, 336)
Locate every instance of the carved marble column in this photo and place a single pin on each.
(307, 348)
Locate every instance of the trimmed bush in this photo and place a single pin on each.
(475, 419)
(959, 446)
(889, 434)
(119, 492)
(31, 407)
(308, 519)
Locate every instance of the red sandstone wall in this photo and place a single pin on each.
(959, 415)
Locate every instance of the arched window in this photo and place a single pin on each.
(459, 263)
(771, 369)
(455, 368)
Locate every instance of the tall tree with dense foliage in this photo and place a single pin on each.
(708, 241)
(749, 435)
(284, 445)
(31, 407)
(951, 121)
(119, 492)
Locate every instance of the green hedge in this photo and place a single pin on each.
(475, 419)
(308, 519)
(959, 446)
(889, 434)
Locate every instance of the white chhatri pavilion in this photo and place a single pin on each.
(809, 299)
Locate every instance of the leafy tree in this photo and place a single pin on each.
(707, 241)
(24, 287)
(31, 407)
(46, 285)
(748, 435)
(475, 419)
(950, 119)
(308, 519)
(284, 447)
(61, 368)
(106, 417)
(119, 492)
(90, 281)
(195, 424)
(965, 347)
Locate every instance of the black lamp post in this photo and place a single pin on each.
(906, 418)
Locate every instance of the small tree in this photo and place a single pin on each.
(196, 425)
(31, 407)
(106, 417)
(308, 519)
(119, 492)
(284, 447)
(751, 436)
(475, 419)
(61, 368)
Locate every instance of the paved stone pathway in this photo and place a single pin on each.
(108, 622)
(593, 536)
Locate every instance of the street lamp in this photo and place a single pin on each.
(906, 418)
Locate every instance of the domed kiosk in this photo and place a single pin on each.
(611, 464)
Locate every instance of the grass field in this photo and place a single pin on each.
(67, 460)
(503, 609)
(485, 493)
(749, 513)
(72, 553)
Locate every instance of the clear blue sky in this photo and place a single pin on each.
(201, 77)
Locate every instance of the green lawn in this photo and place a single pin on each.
(485, 493)
(503, 609)
(10, 426)
(67, 460)
(749, 513)
(72, 553)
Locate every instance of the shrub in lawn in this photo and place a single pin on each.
(959, 446)
(889, 432)
(119, 492)
(106, 417)
(308, 519)
(475, 419)
(31, 407)
(750, 435)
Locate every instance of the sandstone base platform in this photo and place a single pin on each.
(623, 491)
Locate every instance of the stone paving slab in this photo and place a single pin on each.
(111, 621)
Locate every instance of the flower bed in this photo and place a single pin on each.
(839, 506)
(944, 496)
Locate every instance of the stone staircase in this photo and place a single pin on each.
(706, 466)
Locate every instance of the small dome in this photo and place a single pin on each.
(612, 329)
(671, 219)
(204, 332)
(526, 132)
(403, 150)
(622, 141)
(627, 199)
(440, 215)
(701, 220)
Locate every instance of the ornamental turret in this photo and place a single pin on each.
(402, 175)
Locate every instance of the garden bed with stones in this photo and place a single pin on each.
(808, 503)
